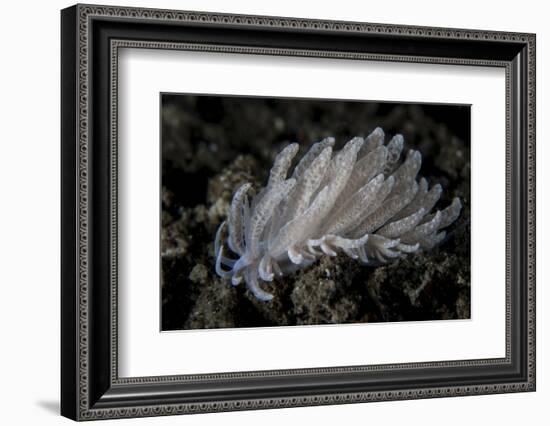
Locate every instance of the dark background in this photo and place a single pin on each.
(213, 144)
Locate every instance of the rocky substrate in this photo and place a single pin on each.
(202, 167)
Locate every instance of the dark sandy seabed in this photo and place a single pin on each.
(211, 146)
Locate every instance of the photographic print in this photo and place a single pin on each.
(291, 211)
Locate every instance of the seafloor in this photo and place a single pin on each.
(211, 145)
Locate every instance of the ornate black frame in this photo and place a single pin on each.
(91, 37)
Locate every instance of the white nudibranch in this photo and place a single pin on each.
(358, 200)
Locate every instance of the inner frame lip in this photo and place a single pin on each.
(440, 364)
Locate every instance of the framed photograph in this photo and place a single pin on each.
(263, 212)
